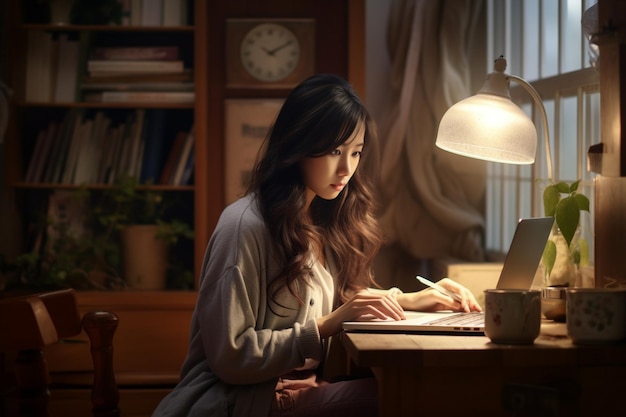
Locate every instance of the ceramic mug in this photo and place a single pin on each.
(512, 316)
(596, 315)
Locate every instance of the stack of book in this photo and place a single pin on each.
(137, 74)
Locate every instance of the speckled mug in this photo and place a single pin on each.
(512, 316)
(596, 315)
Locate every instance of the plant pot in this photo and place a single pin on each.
(145, 257)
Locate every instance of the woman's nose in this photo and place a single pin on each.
(345, 167)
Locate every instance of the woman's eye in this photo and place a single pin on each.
(357, 153)
(336, 152)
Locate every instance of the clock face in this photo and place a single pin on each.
(270, 52)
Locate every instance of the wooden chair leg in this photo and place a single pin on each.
(33, 380)
(100, 327)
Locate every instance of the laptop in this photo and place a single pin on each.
(518, 272)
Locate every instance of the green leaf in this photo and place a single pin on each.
(551, 197)
(582, 201)
(549, 256)
(574, 186)
(567, 215)
(563, 187)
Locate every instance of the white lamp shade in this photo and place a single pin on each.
(489, 127)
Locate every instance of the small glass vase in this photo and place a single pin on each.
(565, 272)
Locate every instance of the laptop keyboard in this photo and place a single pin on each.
(472, 319)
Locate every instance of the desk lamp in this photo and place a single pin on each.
(491, 127)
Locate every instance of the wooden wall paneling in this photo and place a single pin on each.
(610, 185)
(207, 182)
(356, 47)
(612, 44)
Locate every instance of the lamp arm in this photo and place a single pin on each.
(544, 119)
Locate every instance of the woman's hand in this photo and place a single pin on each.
(432, 300)
(381, 306)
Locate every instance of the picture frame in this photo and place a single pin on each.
(247, 123)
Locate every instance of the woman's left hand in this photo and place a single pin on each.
(432, 300)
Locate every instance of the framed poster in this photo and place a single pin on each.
(247, 124)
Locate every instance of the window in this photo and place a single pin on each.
(543, 43)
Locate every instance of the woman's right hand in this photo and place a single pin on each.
(365, 302)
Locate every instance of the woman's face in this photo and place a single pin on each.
(325, 176)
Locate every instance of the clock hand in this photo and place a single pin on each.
(278, 48)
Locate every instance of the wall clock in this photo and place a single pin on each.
(269, 53)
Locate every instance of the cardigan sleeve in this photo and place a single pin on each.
(238, 352)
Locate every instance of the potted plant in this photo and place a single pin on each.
(139, 215)
(566, 250)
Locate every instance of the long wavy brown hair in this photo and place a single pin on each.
(317, 117)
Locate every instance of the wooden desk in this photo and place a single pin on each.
(552, 377)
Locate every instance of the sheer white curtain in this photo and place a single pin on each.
(433, 201)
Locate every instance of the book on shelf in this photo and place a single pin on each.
(40, 66)
(174, 12)
(80, 166)
(136, 53)
(111, 153)
(72, 156)
(120, 163)
(183, 160)
(131, 66)
(151, 12)
(135, 143)
(62, 146)
(36, 156)
(67, 69)
(90, 151)
(155, 135)
(154, 12)
(52, 135)
(173, 157)
(126, 77)
(138, 86)
(188, 170)
(140, 96)
(41, 153)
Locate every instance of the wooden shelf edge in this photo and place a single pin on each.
(106, 28)
(108, 105)
(136, 300)
(47, 185)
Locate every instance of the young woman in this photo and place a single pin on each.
(287, 264)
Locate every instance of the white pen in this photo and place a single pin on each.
(439, 288)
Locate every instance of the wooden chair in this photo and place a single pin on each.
(27, 324)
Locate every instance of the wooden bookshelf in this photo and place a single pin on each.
(26, 110)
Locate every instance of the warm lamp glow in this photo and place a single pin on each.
(490, 126)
